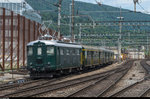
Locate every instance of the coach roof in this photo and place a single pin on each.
(55, 43)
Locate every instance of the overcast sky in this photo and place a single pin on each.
(127, 4)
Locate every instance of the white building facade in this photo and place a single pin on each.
(21, 7)
(136, 55)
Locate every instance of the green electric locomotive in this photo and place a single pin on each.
(46, 58)
(51, 57)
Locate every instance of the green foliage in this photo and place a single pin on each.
(98, 13)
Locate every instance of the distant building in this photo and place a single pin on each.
(135, 54)
(21, 7)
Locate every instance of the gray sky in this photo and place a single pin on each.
(127, 4)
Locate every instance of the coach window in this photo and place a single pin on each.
(78, 52)
(89, 53)
(50, 50)
(30, 51)
(85, 54)
(39, 51)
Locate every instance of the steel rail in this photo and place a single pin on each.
(109, 86)
(55, 84)
(68, 85)
(143, 63)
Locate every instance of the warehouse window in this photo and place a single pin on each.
(50, 50)
(39, 51)
(30, 51)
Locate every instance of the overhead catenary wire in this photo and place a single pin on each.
(143, 8)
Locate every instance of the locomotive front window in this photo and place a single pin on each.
(50, 50)
(30, 51)
(39, 51)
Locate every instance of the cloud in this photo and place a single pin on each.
(89, 1)
(126, 4)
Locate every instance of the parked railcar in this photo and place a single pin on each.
(46, 58)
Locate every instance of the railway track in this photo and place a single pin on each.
(138, 89)
(27, 81)
(146, 93)
(100, 87)
(26, 85)
(45, 88)
(33, 91)
(146, 66)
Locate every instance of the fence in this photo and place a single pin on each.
(15, 32)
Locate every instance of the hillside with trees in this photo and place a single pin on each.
(98, 13)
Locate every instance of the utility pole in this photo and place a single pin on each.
(119, 39)
(72, 32)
